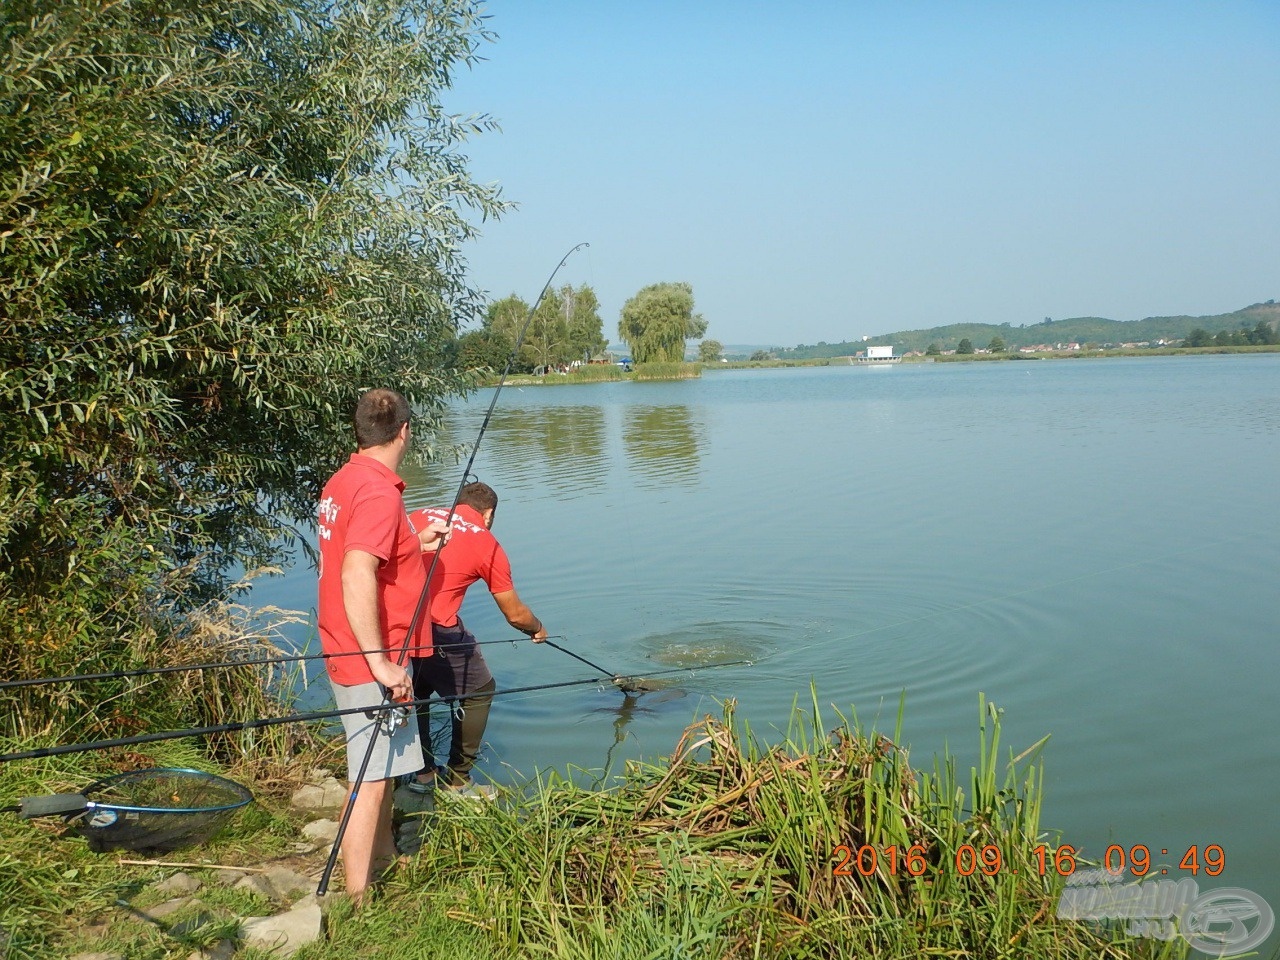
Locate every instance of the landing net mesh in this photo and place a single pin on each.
(158, 810)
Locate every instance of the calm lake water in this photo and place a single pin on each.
(1093, 544)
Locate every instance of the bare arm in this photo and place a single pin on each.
(519, 615)
(360, 597)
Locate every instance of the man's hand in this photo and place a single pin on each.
(540, 634)
(434, 536)
(392, 676)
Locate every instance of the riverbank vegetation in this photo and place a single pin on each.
(986, 356)
(666, 370)
(602, 373)
(827, 843)
(1095, 352)
(176, 377)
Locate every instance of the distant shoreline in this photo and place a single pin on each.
(693, 370)
(1007, 355)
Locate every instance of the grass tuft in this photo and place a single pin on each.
(731, 848)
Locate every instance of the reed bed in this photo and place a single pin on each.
(121, 706)
(666, 371)
(595, 372)
(732, 848)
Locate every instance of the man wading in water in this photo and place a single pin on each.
(457, 667)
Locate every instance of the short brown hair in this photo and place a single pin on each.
(379, 416)
(479, 496)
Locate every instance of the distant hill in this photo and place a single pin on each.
(1093, 330)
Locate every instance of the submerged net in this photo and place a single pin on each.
(157, 810)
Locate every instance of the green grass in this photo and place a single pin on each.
(754, 364)
(57, 897)
(595, 372)
(729, 848)
(599, 372)
(51, 884)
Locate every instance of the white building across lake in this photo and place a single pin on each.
(879, 355)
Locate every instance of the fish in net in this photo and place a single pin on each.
(153, 811)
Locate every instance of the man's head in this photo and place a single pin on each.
(381, 416)
(481, 498)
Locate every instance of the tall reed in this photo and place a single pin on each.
(595, 372)
(118, 706)
(828, 844)
(666, 371)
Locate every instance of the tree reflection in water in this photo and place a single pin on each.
(564, 445)
(662, 444)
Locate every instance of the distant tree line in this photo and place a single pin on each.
(655, 324)
(1262, 334)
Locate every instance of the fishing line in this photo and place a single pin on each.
(608, 673)
(628, 685)
(162, 735)
(402, 653)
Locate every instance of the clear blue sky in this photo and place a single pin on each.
(825, 170)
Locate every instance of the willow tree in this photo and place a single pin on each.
(219, 223)
(657, 321)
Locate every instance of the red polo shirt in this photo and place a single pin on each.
(362, 509)
(471, 554)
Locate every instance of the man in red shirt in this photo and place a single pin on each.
(456, 666)
(371, 577)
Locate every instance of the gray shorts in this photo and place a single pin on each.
(394, 755)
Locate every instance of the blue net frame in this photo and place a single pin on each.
(157, 810)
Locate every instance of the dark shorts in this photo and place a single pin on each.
(456, 667)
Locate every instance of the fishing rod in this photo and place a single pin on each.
(162, 735)
(226, 664)
(402, 653)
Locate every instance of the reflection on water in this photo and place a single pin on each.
(563, 447)
(663, 444)
(567, 444)
(566, 449)
(633, 705)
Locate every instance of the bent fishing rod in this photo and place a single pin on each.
(162, 735)
(402, 653)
